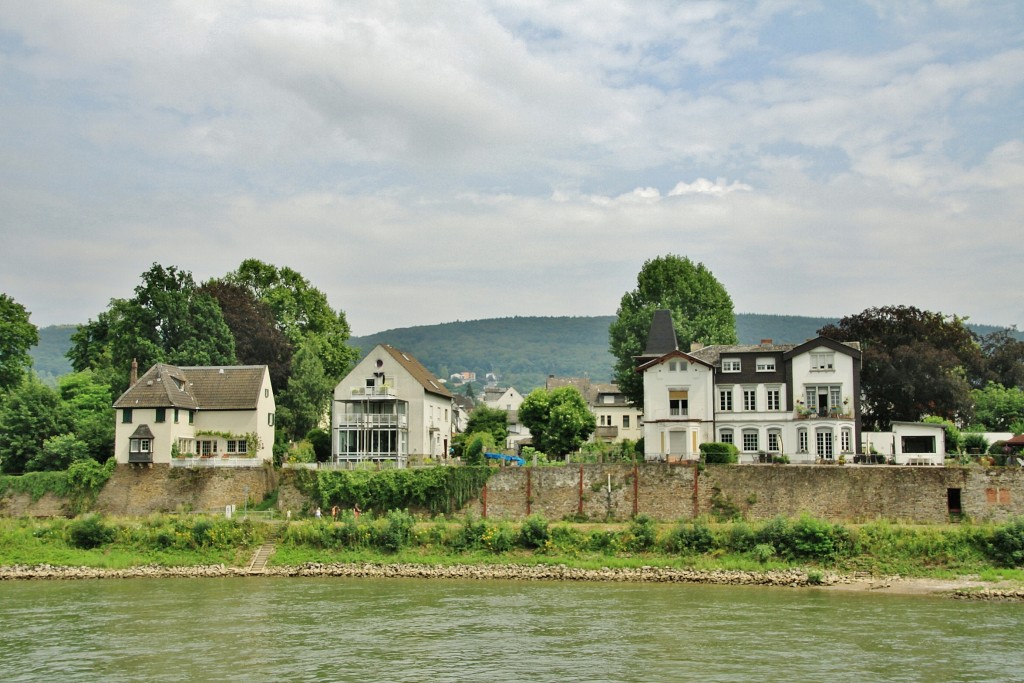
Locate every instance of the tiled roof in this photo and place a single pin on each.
(234, 387)
(662, 337)
(429, 382)
(711, 354)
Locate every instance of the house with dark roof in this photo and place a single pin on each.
(617, 418)
(798, 400)
(215, 416)
(390, 409)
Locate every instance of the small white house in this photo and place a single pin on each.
(910, 443)
(212, 416)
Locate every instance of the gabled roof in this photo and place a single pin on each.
(234, 387)
(691, 357)
(427, 380)
(711, 354)
(142, 432)
(849, 348)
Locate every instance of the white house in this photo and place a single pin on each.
(508, 399)
(910, 443)
(801, 400)
(215, 416)
(617, 419)
(390, 408)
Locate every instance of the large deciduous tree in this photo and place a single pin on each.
(559, 420)
(1004, 358)
(914, 363)
(702, 311)
(302, 313)
(258, 340)
(17, 336)
(998, 408)
(168, 320)
(32, 414)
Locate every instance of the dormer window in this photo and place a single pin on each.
(731, 365)
(766, 365)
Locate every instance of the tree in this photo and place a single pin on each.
(304, 403)
(302, 313)
(17, 336)
(914, 363)
(32, 414)
(997, 407)
(1004, 358)
(559, 420)
(494, 421)
(258, 340)
(87, 398)
(702, 311)
(167, 321)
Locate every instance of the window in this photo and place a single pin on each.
(677, 366)
(749, 440)
(801, 440)
(266, 393)
(370, 383)
(774, 441)
(191, 416)
(126, 416)
(161, 415)
(270, 419)
(238, 446)
(139, 445)
(678, 402)
(844, 441)
(730, 365)
(824, 398)
(205, 448)
(725, 399)
(231, 445)
(175, 416)
(625, 421)
(750, 399)
(823, 362)
(725, 436)
(824, 443)
(774, 399)
(766, 365)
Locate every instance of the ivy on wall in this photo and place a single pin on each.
(435, 489)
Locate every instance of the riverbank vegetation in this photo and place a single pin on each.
(879, 548)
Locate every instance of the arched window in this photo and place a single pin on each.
(725, 435)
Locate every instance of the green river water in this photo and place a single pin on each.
(280, 629)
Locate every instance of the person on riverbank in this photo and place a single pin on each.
(356, 511)
(317, 514)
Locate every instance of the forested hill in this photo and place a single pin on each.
(523, 351)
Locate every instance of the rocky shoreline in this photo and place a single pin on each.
(790, 578)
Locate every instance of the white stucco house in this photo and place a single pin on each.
(390, 409)
(801, 400)
(212, 416)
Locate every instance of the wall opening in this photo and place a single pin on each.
(953, 503)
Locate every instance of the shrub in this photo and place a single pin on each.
(717, 452)
(566, 539)
(533, 532)
(740, 538)
(90, 532)
(1007, 544)
(763, 552)
(695, 539)
(499, 538)
(975, 442)
(394, 532)
(471, 534)
(642, 533)
(603, 541)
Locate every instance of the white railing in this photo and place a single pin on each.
(216, 461)
(371, 421)
(371, 392)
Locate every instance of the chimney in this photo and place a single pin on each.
(135, 373)
(695, 346)
(766, 342)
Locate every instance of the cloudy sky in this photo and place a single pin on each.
(424, 162)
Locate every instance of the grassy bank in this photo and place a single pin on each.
(993, 552)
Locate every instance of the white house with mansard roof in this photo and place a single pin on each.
(801, 400)
(390, 409)
(214, 416)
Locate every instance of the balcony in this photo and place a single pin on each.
(834, 414)
(140, 457)
(371, 421)
(371, 393)
(607, 432)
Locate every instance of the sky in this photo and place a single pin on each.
(426, 162)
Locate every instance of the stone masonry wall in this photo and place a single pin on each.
(665, 492)
(140, 490)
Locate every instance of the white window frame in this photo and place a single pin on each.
(750, 399)
(725, 400)
(774, 401)
(801, 440)
(731, 365)
(823, 361)
(725, 435)
(751, 441)
(765, 365)
(774, 441)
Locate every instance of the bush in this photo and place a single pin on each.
(321, 442)
(394, 532)
(90, 532)
(499, 538)
(721, 453)
(693, 539)
(533, 532)
(1007, 545)
(642, 533)
(975, 442)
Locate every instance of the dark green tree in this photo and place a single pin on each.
(914, 363)
(998, 408)
(32, 414)
(304, 403)
(559, 420)
(702, 311)
(87, 398)
(258, 340)
(167, 321)
(494, 421)
(302, 313)
(1004, 358)
(17, 336)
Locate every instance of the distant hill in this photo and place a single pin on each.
(522, 351)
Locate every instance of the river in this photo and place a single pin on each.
(362, 630)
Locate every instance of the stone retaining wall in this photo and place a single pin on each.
(141, 490)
